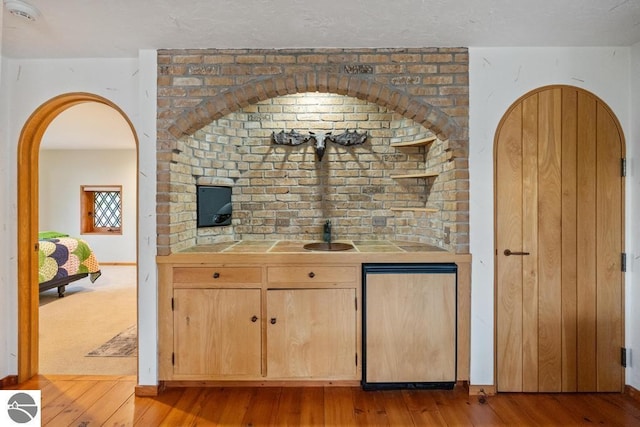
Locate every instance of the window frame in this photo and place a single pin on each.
(87, 208)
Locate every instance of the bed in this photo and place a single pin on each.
(62, 260)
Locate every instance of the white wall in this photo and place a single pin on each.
(130, 84)
(147, 272)
(6, 319)
(498, 77)
(633, 245)
(63, 172)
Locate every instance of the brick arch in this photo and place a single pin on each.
(199, 86)
(252, 92)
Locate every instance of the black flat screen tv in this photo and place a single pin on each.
(214, 205)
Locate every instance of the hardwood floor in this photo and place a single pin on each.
(110, 401)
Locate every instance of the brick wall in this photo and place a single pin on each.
(217, 108)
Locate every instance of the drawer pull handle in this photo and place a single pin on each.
(254, 319)
(312, 274)
(273, 320)
(216, 275)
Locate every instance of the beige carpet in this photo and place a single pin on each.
(87, 317)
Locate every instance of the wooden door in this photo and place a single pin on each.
(311, 333)
(411, 327)
(559, 209)
(217, 332)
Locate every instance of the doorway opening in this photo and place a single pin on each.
(29, 219)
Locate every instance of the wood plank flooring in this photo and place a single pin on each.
(110, 401)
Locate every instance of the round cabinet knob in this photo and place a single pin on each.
(312, 274)
(254, 319)
(216, 275)
(273, 320)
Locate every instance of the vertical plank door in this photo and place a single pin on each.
(559, 215)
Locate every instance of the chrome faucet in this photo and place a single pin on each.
(326, 235)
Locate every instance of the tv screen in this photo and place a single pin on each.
(214, 205)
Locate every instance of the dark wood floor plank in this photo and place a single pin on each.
(576, 404)
(300, 406)
(509, 411)
(236, 406)
(124, 415)
(397, 411)
(368, 407)
(289, 408)
(312, 406)
(482, 414)
(262, 408)
(93, 395)
(477, 413)
(541, 410)
(53, 390)
(61, 402)
(77, 400)
(182, 413)
(338, 407)
(98, 413)
(623, 402)
(612, 412)
(213, 403)
(423, 408)
(157, 407)
(450, 409)
(548, 404)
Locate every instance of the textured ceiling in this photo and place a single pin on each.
(118, 28)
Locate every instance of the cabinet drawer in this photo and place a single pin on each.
(217, 275)
(312, 274)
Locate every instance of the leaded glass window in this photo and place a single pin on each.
(101, 209)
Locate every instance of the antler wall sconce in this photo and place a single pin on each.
(292, 137)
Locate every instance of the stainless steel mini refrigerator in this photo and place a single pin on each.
(409, 326)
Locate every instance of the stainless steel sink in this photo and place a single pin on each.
(324, 246)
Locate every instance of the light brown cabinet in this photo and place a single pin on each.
(312, 322)
(217, 332)
(214, 318)
(311, 333)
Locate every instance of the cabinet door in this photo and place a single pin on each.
(311, 333)
(410, 327)
(217, 332)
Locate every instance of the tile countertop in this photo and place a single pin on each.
(284, 246)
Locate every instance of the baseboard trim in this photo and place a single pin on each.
(9, 381)
(482, 390)
(270, 383)
(632, 392)
(147, 390)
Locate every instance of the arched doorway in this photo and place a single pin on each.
(559, 224)
(28, 157)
